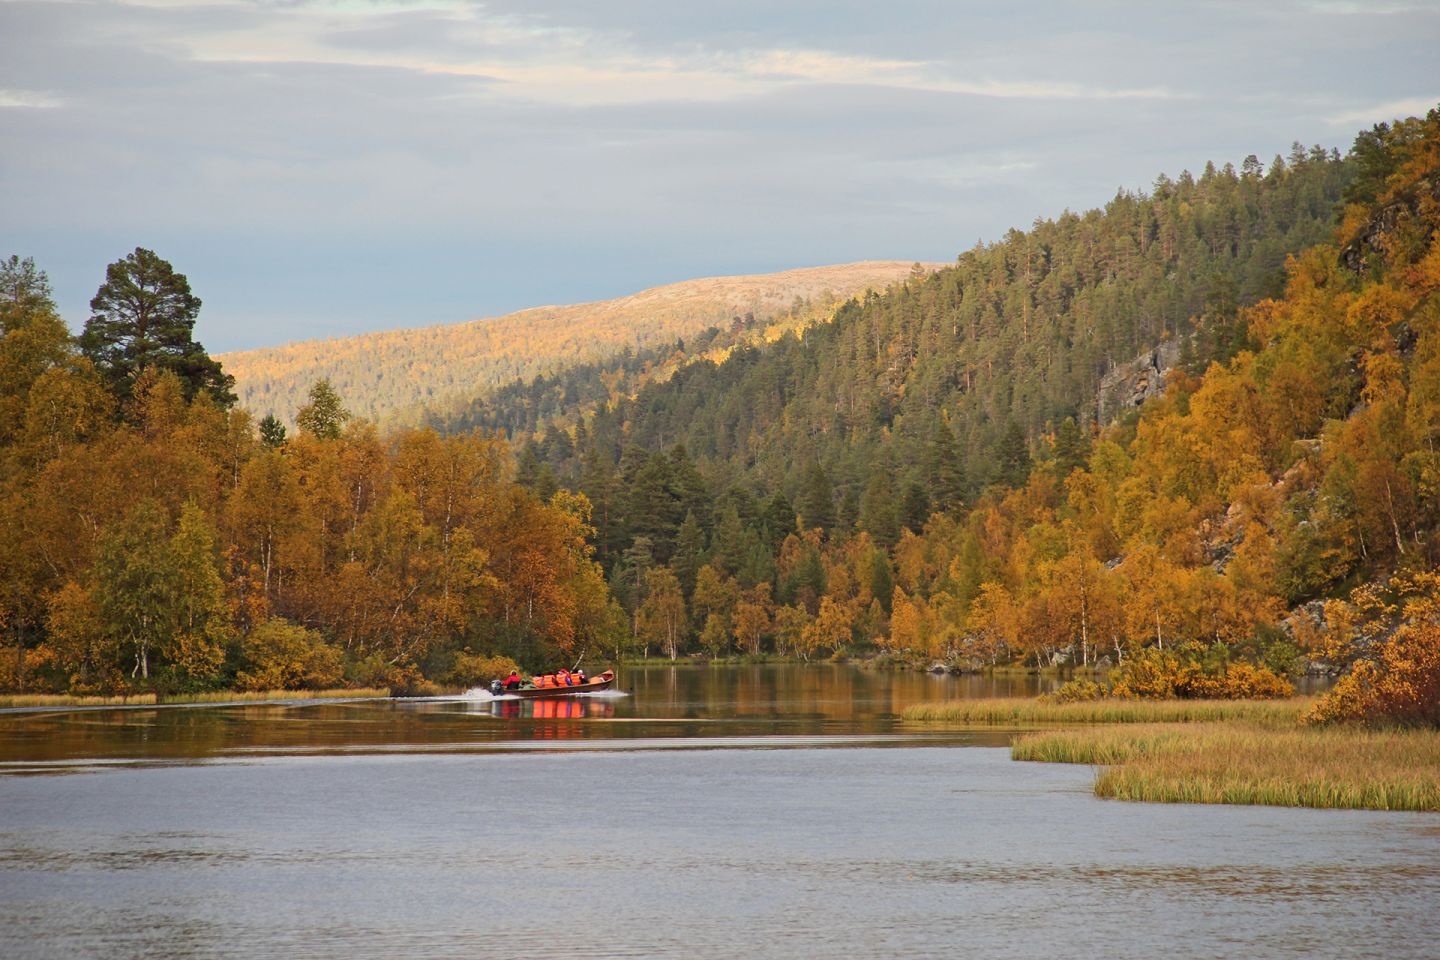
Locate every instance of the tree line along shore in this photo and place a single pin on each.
(1274, 504)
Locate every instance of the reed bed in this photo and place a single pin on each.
(237, 696)
(1022, 711)
(1337, 768)
(67, 700)
(214, 696)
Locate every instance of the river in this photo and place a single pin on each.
(776, 811)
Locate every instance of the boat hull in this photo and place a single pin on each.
(549, 693)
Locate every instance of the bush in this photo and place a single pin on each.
(1398, 684)
(283, 656)
(1076, 691)
(474, 670)
(1163, 674)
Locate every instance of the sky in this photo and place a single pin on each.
(324, 167)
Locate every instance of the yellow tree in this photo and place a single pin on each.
(906, 633)
(663, 618)
(995, 622)
(752, 617)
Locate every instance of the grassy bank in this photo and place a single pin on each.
(1021, 711)
(1340, 768)
(214, 696)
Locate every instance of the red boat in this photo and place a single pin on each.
(600, 682)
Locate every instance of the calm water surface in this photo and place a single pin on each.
(722, 812)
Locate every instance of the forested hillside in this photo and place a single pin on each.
(954, 380)
(959, 496)
(397, 374)
(927, 476)
(1021, 332)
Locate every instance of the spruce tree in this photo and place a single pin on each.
(1012, 456)
(272, 431)
(944, 468)
(817, 498)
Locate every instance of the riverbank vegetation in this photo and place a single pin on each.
(967, 468)
(1022, 711)
(1238, 762)
(214, 696)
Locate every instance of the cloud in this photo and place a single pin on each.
(1384, 112)
(350, 164)
(29, 99)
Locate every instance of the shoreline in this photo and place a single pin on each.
(1243, 752)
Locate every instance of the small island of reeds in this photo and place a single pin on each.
(1216, 751)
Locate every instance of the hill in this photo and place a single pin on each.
(973, 368)
(395, 373)
(933, 475)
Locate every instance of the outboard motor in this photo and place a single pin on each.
(496, 687)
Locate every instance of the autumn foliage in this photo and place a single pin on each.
(1277, 502)
(152, 540)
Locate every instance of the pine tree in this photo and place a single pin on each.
(143, 316)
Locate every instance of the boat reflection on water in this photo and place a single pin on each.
(567, 708)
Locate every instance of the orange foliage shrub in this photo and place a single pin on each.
(1075, 691)
(1400, 684)
(474, 670)
(1161, 674)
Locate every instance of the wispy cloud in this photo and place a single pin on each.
(332, 145)
(1380, 112)
(29, 99)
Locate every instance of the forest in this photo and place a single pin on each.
(396, 377)
(934, 474)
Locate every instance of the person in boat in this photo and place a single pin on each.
(513, 681)
(562, 678)
(579, 676)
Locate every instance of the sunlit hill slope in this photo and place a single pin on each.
(398, 372)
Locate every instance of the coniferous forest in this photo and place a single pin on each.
(1192, 434)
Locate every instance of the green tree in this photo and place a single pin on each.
(325, 416)
(944, 470)
(272, 431)
(914, 507)
(879, 514)
(200, 630)
(1070, 448)
(689, 552)
(135, 592)
(817, 498)
(1012, 456)
(143, 316)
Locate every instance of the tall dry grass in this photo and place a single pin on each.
(1020, 711)
(236, 696)
(215, 696)
(1343, 768)
(66, 700)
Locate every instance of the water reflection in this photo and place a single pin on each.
(786, 702)
(564, 708)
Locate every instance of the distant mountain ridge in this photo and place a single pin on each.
(397, 374)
